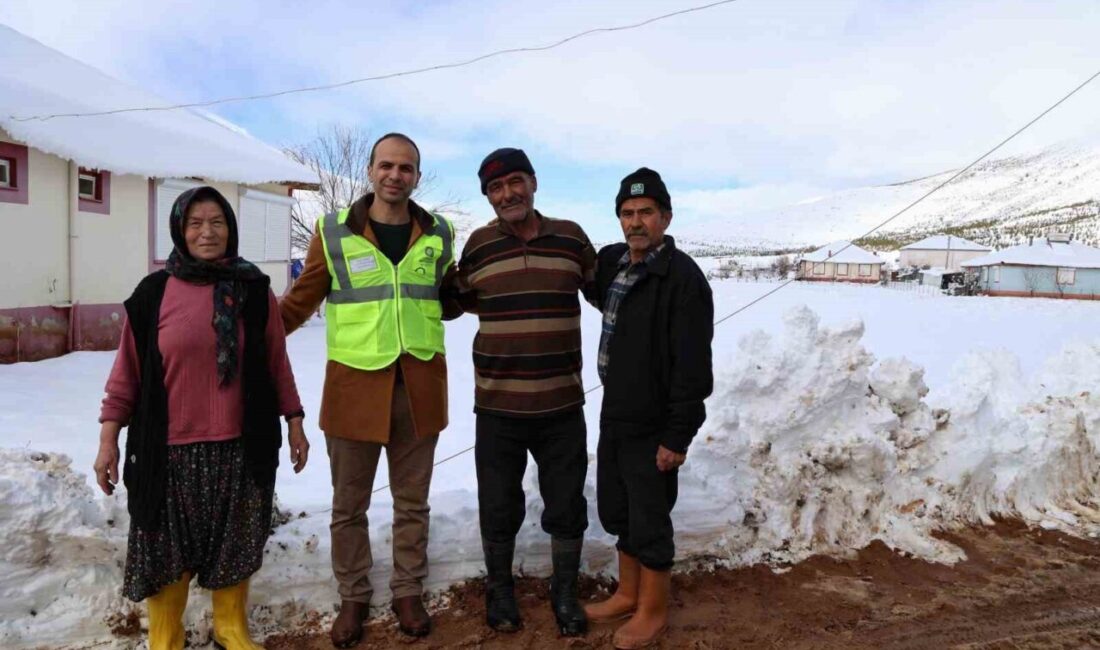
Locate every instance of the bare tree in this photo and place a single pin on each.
(340, 156)
(781, 267)
(1037, 278)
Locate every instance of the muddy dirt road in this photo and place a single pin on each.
(1019, 588)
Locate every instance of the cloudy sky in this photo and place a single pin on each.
(745, 105)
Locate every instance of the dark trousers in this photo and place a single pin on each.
(633, 497)
(559, 447)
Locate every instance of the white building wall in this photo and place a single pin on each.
(937, 258)
(111, 253)
(33, 246)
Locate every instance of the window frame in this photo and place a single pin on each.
(97, 190)
(100, 201)
(1071, 270)
(8, 164)
(868, 273)
(818, 268)
(838, 268)
(18, 188)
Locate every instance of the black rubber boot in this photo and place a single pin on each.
(501, 611)
(566, 557)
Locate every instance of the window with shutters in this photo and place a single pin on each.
(264, 226)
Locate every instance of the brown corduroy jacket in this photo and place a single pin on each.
(355, 404)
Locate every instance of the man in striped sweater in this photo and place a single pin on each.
(521, 273)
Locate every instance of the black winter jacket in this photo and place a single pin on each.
(659, 358)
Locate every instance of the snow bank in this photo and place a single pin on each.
(808, 450)
(810, 447)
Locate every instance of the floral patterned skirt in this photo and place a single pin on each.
(214, 523)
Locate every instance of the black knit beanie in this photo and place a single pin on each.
(501, 162)
(643, 183)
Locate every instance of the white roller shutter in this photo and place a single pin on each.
(265, 226)
(167, 192)
(251, 228)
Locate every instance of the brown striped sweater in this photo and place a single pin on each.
(527, 352)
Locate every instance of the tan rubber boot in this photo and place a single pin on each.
(650, 621)
(624, 601)
(166, 615)
(231, 618)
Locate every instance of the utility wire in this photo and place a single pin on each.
(897, 214)
(381, 77)
(927, 194)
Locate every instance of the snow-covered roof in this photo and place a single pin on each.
(851, 255)
(945, 242)
(1041, 252)
(36, 80)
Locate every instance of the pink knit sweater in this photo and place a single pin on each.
(199, 410)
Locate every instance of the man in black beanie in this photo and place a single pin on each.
(656, 372)
(522, 273)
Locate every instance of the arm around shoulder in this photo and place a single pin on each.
(307, 292)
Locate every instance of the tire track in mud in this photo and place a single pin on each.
(988, 629)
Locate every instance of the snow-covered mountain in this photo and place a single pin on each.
(998, 203)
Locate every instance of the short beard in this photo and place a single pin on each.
(405, 197)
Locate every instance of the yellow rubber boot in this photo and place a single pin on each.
(231, 618)
(166, 615)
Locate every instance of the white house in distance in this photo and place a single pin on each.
(840, 261)
(85, 200)
(942, 252)
(1054, 266)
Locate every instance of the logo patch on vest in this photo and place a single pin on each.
(637, 188)
(364, 263)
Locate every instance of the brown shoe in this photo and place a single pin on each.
(650, 621)
(347, 629)
(412, 618)
(624, 601)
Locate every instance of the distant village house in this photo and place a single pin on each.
(85, 200)
(1051, 267)
(945, 252)
(841, 262)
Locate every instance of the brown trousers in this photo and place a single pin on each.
(354, 464)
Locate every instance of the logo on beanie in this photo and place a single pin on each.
(637, 188)
(493, 167)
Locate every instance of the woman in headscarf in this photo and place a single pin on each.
(200, 380)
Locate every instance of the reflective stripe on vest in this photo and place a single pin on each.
(407, 317)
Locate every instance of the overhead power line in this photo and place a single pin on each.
(897, 214)
(927, 194)
(382, 77)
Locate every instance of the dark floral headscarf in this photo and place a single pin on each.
(228, 275)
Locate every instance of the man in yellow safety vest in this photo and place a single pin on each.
(379, 266)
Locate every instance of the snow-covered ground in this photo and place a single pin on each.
(820, 438)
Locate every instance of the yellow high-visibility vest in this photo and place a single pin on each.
(376, 311)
